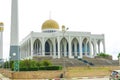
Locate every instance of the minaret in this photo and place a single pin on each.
(1, 40)
(14, 40)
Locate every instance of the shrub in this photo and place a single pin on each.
(31, 65)
(50, 68)
(103, 55)
(46, 63)
(42, 68)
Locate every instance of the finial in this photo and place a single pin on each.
(63, 27)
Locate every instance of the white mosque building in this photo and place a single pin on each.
(55, 43)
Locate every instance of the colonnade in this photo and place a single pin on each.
(57, 47)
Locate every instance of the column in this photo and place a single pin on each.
(95, 46)
(24, 49)
(70, 48)
(36, 48)
(51, 52)
(75, 45)
(21, 51)
(80, 47)
(58, 40)
(90, 46)
(31, 47)
(40, 49)
(43, 46)
(54, 49)
(103, 46)
(65, 49)
(28, 48)
(99, 47)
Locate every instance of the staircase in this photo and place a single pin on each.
(85, 61)
(67, 62)
(101, 61)
(62, 61)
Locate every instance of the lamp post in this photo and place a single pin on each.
(64, 31)
(16, 63)
(14, 54)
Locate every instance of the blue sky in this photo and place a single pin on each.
(95, 16)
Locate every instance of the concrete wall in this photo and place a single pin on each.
(31, 74)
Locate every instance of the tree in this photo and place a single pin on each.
(118, 55)
(119, 58)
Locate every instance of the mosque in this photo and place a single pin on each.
(56, 43)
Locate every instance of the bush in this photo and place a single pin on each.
(103, 55)
(46, 63)
(50, 68)
(41, 68)
(32, 65)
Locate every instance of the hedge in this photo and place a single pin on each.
(41, 68)
(50, 68)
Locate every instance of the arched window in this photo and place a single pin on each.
(37, 47)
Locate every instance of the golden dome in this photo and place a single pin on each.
(50, 24)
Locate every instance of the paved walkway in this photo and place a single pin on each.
(3, 77)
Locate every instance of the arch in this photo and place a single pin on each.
(37, 47)
(84, 46)
(64, 47)
(48, 47)
(75, 47)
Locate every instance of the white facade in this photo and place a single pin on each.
(59, 44)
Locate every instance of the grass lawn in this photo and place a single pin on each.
(90, 71)
(70, 72)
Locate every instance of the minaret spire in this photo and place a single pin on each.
(1, 39)
(14, 23)
(14, 40)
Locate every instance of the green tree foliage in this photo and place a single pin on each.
(27, 63)
(46, 63)
(32, 65)
(118, 55)
(103, 55)
(6, 64)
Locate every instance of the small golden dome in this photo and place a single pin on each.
(1, 26)
(50, 24)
